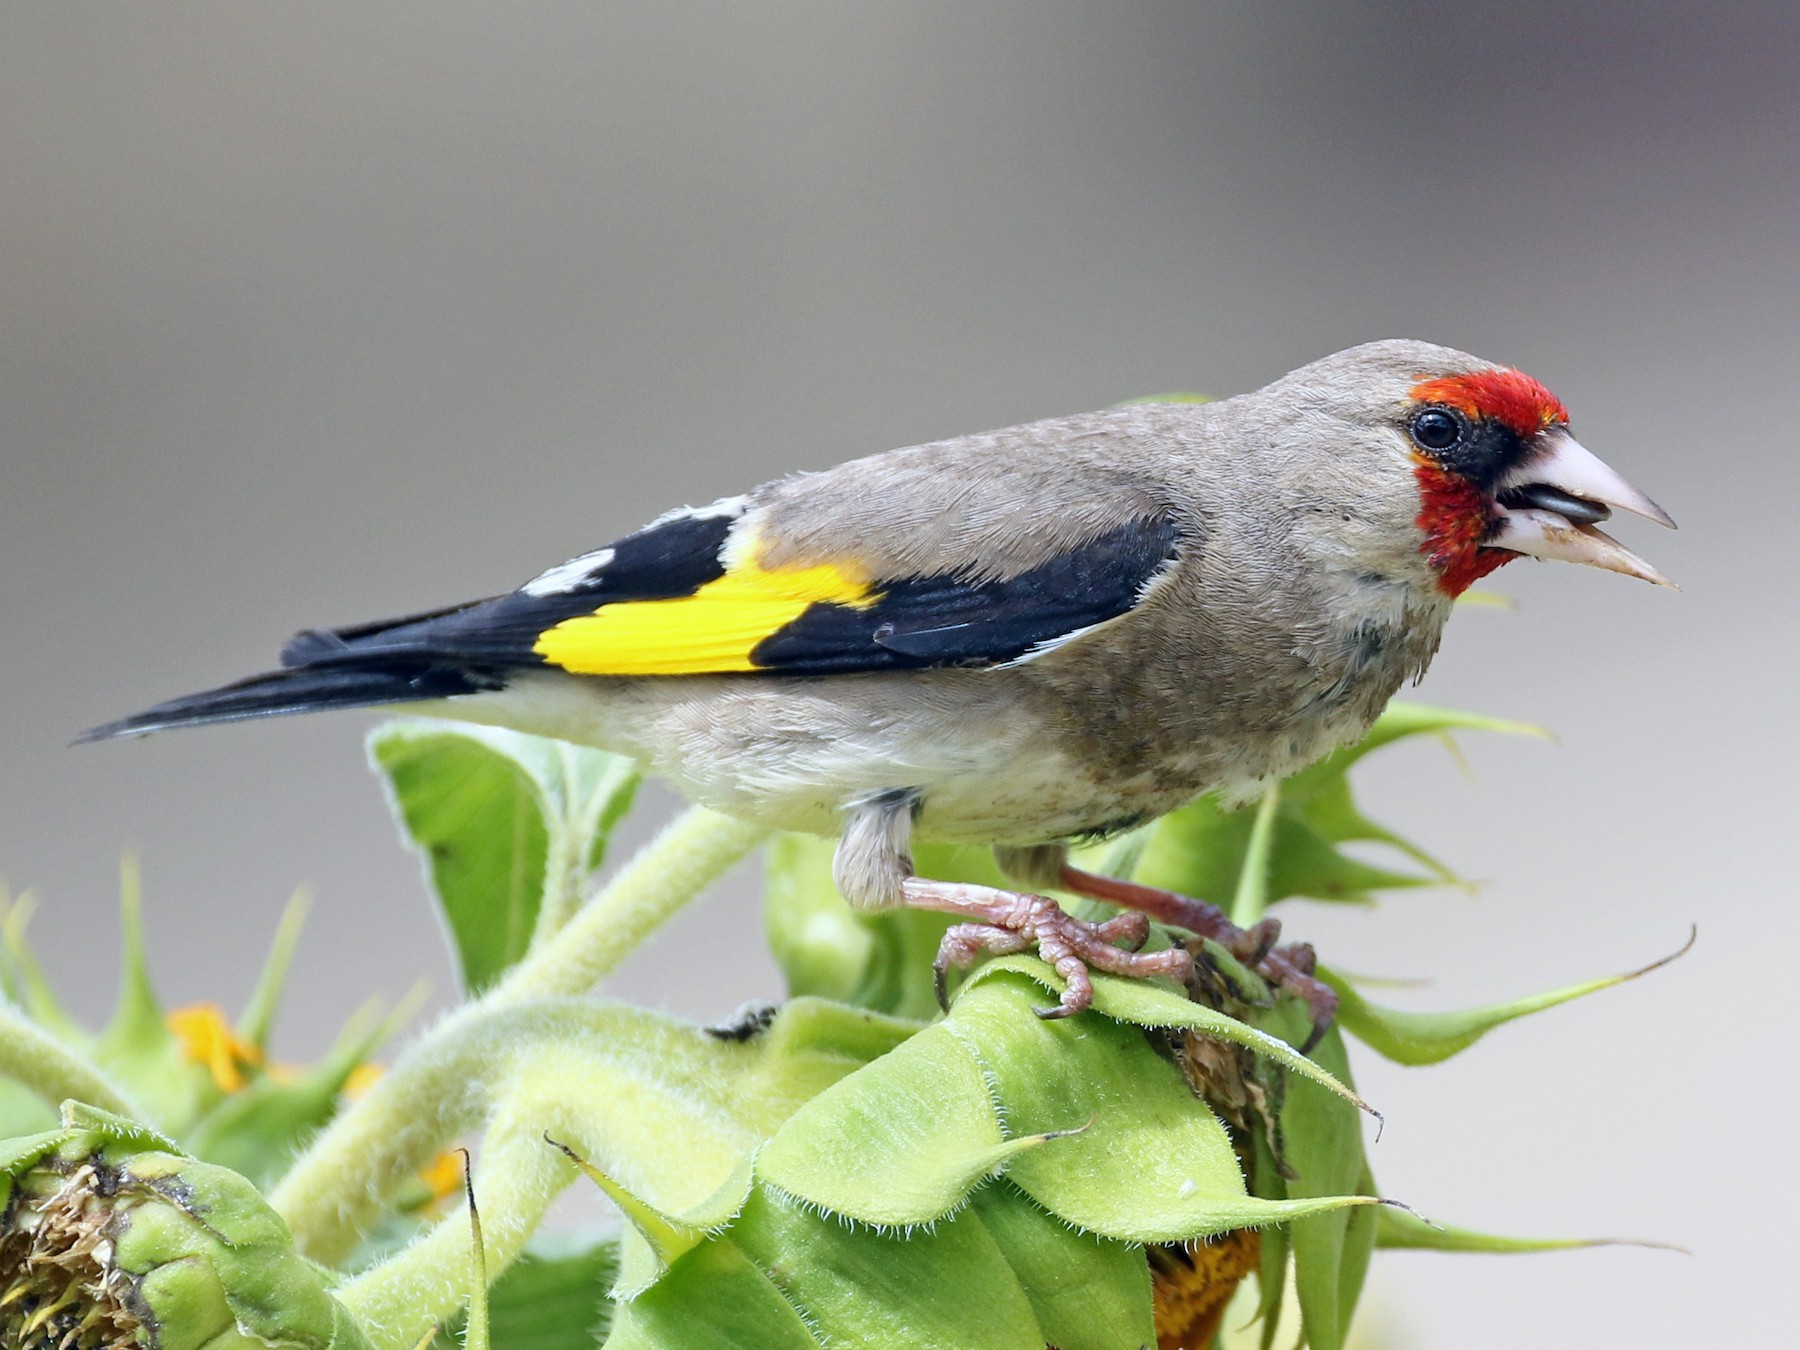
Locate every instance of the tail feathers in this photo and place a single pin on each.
(304, 690)
(326, 645)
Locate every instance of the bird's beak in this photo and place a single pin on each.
(1550, 504)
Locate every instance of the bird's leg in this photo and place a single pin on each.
(1288, 967)
(1011, 921)
(873, 870)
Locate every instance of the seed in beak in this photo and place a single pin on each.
(1577, 510)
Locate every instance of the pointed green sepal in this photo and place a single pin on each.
(137, 1047)
(25, 982)
(259, 1013)
(900, 1142)
(1428, 1038)
(1399, 1229)
(662, 1239)
(1147, 1004)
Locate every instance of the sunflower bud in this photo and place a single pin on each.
(111, 1238)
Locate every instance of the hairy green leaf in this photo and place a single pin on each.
(665, 1116)
(900, 1142)
(508, 825)
(1322, 1145)
(1000, 1274)
(1088, 1294)
(945, 1285)
(553, 1297)
(1083, 1114)
(714, 1297)
(1147, 1004)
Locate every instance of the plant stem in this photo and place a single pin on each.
(49, 1068)
(397, 1302)
(562, 886)
(438, 1085)
(659, 880)
(1252, 897)
(541, 1070)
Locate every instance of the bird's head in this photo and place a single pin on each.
(1499, 476)
(1483, 457)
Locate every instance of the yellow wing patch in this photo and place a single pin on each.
(713, 630)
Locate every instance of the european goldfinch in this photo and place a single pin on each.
(1020, 638)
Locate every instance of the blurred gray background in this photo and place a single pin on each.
(311, 314)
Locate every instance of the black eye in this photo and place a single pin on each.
(1437, 429)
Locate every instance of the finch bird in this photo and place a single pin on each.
(1021, 638)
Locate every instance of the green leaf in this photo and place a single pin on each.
(1428, 1038)
(476, 1325)
(259, 1014)
(1322, 1146)
(661, 1238)
(1201, 850)
(25, 1150)
(998, 1275)
(665, 1116)
(553, 1297)
(508, 826)
(1272, 1270)
(1141, 1159)
(943, 1286)
(1082, 1114)
(109, 1129)
(137, 1048)
(1087, 1294)
(715, 1297)
(1146, 1004)
(23, 978)
(472, 813)
(900, 1142)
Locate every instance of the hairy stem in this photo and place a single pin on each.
(562, 887)
(400, 1300)
(439, 1084)
(33, 1057)
(548, 1078)
(692, 852)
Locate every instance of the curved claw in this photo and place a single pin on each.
(1010, 921)
(1288, 969)
(1259, 941)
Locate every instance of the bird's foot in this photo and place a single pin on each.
(1003, 922)
(1289, 968)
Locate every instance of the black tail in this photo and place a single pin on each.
(307, 689)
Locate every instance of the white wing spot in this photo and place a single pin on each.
(725, 506)
(569, 576)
